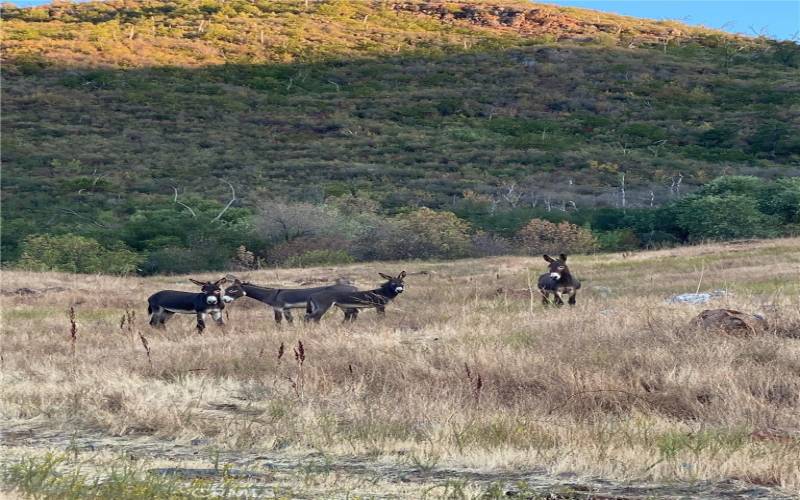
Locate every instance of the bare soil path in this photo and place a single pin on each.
(267, 473)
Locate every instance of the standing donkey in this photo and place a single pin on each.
(351, 301)
(162, 305)
(282, 300)
(558, 281)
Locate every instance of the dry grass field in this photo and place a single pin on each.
(459, 381)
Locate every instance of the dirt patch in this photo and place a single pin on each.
(261, 472)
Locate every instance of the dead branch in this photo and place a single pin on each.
(512, 196)
(233, 198)
(76, 214)
(184, 205)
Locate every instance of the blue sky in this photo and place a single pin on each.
(777, 18)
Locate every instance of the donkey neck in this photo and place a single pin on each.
(566, 276)
(258, 292)
(385, 291)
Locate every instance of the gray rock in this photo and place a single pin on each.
(697, 298)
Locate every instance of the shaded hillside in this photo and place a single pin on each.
(109, 105)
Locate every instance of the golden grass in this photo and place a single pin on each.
(456, 375)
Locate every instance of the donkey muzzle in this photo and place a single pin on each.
(227, 299)
(555, 276)
(211, 300)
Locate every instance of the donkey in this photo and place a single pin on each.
(282, 300)
(351, 301)
(558, 281)
(162, 305)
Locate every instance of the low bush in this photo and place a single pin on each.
(540, 236)
(75, 254)
(617, 240)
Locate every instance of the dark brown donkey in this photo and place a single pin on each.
(283, 300)
(162, 305)
(558, 281)
(351, 301)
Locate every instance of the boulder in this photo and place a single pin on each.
(730, 322)
(697, 298)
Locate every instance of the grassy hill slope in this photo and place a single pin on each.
(108, 105)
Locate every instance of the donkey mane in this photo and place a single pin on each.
(258, 286)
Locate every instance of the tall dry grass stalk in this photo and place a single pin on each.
(617, 386)
(73, 335)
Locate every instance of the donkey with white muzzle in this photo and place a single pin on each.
(283, 300)
(558, 282)
(164, 304)
(350, 301)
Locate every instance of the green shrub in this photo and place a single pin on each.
(182, 260)
(433, 234)
(645, 132)
(75, 254)
(723, 217)
(782, 199)
(720, 136)
(745, 185)
(617, 240)
(774, 138)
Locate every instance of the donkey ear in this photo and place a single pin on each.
(563, 257)
(385, 276)
(198, 283)
(547, 258)
(401, 275)
(221, 281)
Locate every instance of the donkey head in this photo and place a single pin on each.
(558, 267)
(235, 291)
(211, 290)
(394, 284)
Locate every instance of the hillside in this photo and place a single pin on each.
(110, 106)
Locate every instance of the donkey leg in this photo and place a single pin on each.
(571, 300)
(381, 310)
(316, 315)
(287, 313)
(201, 322)
(315, 310)
(559, 300)
(164, 317)
(309, 311)
(217, 315)
(545, 298)
(155, 316)
(278, 315)
(350, 315)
